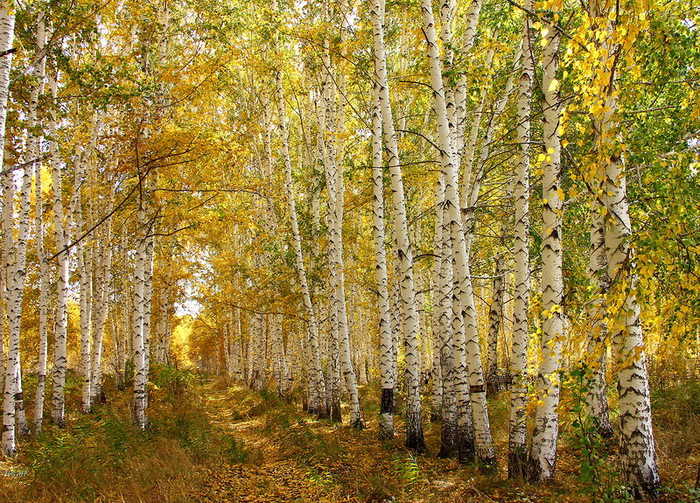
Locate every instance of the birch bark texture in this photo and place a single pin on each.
(39, 75)
(62, 257)
(596, 398)
(11, 255)
(414, 420)
(482, 430)
(543, 452)
(386, 341)
(637, 450)
(517, 431)
(329, 125)
(317, 387)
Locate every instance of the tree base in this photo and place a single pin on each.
(517, 465)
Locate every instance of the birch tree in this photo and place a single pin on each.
(517, 432)
(60, 356)
(543, 452)
(386, 342)
(14, 262)
(328, 127)
(482, 430)
(317, 387)
(414, 420)
(637, 449)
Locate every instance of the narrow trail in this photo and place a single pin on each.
(266, 473)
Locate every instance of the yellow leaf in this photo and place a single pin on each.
(554, 85)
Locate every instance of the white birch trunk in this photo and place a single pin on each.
(460, 91)
(543, 453)
(39, 74)
(637, 451)
(7, 22)
(597, 396)
(495, 316)
(386, 342)
(317, 388)
(61, 331)
(336, 188)
(43, 304)
(449, 318)
(462, 280)
(414, 421)
(84, 254)
(517, 433)
(101, 303)
(138, 336)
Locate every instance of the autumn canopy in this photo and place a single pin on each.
(473, 226)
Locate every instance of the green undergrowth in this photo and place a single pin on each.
(102, 457)
(201, 425)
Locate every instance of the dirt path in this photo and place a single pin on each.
(265, 473)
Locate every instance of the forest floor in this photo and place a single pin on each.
(213, 441)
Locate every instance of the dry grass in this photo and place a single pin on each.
(212, 440)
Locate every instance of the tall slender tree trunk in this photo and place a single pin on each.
(386, 342)
(495, 316)
(139, 347)
(456, 326)
(414, 419)
(7, 24)
(336, 188)
(543, 453)
(39, 74)
(517, 432)
(597, 396)
(317, 388)
(85, 269)
(462, 280)
(101, 303)
(61, 330)
(43, 303)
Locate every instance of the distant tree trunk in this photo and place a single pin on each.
(495, 315)
(39, 74)
(139, 347)
(103, 266)
(414, 420)
(386, 342)
(543, 453)
(85, 269)
(436, 374)
(317, 388)
(149, 265)
(517, 434)
(120, 324)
